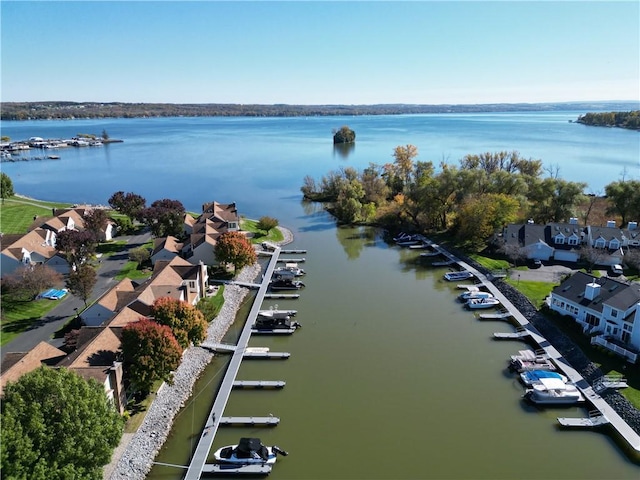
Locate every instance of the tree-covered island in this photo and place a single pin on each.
(630, 120)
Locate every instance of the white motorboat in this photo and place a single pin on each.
(475, 294)
(533, 377)
(477, 303)
(248, 451)
(553, 391)
(454, 276)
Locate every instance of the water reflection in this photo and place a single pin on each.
(355, 239)
(343, 149)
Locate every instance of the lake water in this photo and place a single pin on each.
(389, 378)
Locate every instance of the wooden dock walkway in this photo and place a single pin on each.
(199, 458)
(258, 384)
(282, 295)
(621, 427)
(250, 421)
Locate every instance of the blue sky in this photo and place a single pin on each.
(329, 52)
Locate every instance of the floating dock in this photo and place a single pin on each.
(250, 421)
(519, 334)
(444, 263)
(292, 260)
(293, 252)
(259, 384)
(282, 295)
(267, 355)
(221, 469)
(595, 419)
(275, 331)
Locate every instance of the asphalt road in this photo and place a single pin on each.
(70, 305)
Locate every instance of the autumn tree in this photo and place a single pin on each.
(266, 224)
(77, 246)
(26, 282)
(129, 204)
(57, 426)
(480, 217)
(186, 322)
(95, 222)
(150, 353)
(403, 162)
(235, 248)
(164, 217)
(81, 282)
(6, 186)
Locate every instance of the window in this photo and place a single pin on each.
(614, 313)
(599, 243)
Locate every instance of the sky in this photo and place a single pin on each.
(323, 52)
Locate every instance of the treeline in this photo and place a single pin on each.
(73, 110)
(471, 201)
(629, 120)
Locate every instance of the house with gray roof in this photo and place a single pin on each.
(608, 311)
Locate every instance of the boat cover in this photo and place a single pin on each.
(248, 446)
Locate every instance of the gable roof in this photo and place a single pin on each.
(619, 295)
(169, 243)
(14, 365)
(33, 241)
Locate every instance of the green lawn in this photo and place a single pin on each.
(16, 213)
(490, 263)
(536, 292)
(275, 235)
(18, 316)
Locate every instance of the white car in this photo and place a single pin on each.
(616, 269)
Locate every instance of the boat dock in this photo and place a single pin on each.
(235, 470)
(519, 334)
(282, 295)
(259, 384)
(595, 419)
(622, 428)
(198, 463)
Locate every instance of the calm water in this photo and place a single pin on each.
(389, 377)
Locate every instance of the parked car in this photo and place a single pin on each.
(535, 263)
(616, 269)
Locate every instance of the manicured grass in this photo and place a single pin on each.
(110, 248)
(275, 235)
(130, 270)
(491, 263)
(16, 213)
(211, 306)
(536, 292)
(18, 316)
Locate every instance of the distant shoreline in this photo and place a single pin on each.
(54, 110)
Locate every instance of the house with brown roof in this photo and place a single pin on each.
(35, 247)
(16, 364)
(202, 233)
(127, 301)
(165, 248)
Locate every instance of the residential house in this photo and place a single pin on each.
(127, 301)
(555, 241)
(613, 240)
(203, 232)
(14, 365)
(608, 310)
(35, 247)
(165, 248)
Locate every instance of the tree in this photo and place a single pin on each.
(344, 135)
(139, 255)
(403, 163)
(150, 353)
(57, 426)
(267, 223)
(95, 222)
(164, 217)
(593, 256)
(81, 282)
(480, 217)
(187, 323)
(6, 186)
(77, 246)
(235, 248)
(28, 281)
(625, 198)
(129, 204)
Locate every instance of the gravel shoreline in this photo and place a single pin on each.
(133, 458)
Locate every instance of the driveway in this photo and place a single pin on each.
(546, 273)
(71, 305)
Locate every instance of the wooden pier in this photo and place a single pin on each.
(519, 334)
(292, 296)
(293, 252)
(274, 331)
(292, 260)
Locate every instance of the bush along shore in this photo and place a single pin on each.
(133, 460)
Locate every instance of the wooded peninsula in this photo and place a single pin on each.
(53, 110)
